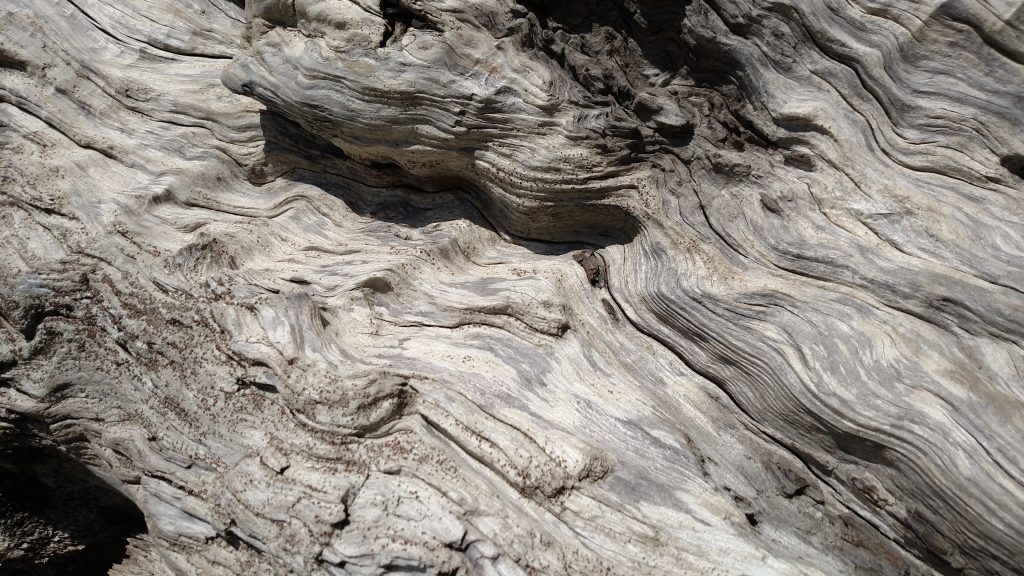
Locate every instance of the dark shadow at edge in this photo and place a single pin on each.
(42, 488)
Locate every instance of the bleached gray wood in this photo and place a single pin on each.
(467, 286)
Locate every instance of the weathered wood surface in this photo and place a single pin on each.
(472, 286)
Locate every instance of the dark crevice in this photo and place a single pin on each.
(261, 386)
(33, 320)
(11, 62)
(653, 24)
(399, 19)
(594, 267)
(677, 136)
(340, 525)
(67, 521)
(798, 492)
(6, 365)
(1014, 164)
(236, 539)
(232, 539)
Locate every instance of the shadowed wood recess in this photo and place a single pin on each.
(512, 287)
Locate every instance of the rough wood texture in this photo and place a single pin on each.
(485, 287)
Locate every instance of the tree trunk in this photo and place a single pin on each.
(619, 287)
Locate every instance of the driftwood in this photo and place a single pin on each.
(484, 287)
